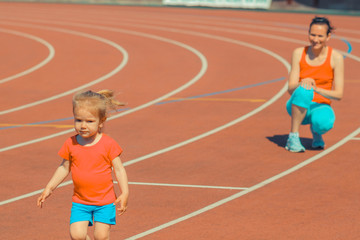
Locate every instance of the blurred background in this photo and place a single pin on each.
(301, 5)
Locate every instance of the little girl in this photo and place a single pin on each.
(90, 156)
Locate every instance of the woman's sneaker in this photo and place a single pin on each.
(293, 143)
(318, 141)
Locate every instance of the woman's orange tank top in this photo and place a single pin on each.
(322, 74)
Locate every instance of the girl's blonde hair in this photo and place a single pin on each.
(102, 102)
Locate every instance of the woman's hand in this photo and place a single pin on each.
(308, 83)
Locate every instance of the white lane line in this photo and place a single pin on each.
(234, 22)
(102, 78)
(31, 194)
(356, 138)
(256, 24)
(263, 35)
(223, 26)
(172, 29)
(186, 186)
(131, 183)
(4, 149)
(250, 189)
(34, 68)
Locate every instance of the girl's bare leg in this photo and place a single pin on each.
(102, 231)
(78, 230)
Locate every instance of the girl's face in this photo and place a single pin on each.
(87, 123)
(318, 35)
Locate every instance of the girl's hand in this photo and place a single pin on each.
(44, 195)
(122, 199)
(308, 83)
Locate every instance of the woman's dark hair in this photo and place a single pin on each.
(322, 21)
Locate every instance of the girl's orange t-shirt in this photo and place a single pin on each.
(322, 74)
(91, 168)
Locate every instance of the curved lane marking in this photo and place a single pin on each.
(264, 35)
(220, 26)
(36, 67)
(106, 76)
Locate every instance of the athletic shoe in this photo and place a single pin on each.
(318, 141)
(293, 143)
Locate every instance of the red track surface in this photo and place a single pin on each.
(145, 54)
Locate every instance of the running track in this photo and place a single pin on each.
(203, 131)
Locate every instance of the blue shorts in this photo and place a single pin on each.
(105, 214)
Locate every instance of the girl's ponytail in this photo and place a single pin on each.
(102, 101)
(111, 102)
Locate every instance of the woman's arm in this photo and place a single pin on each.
(294, 74)
(122, 180)
(60, 174)
(338, 91)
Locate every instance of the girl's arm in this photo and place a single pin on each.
(122, 180)
(338, 91)
(60, 174)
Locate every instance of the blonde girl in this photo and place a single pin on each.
(90, 156)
